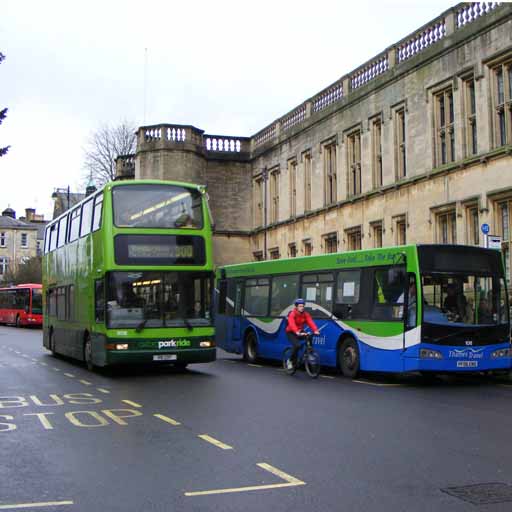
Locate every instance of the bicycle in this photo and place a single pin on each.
(306, 355)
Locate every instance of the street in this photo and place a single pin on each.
(229, 436)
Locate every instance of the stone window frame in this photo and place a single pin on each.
(471, 206)
(375, 125)
(443, 104)
(399, 227)
(445, 213)
(257, 255)
(3, 239)
(274, 179)
(259, 200)
(376, 225)
(292, 185)
(307, 242)
(398, 116)
(469, 113)
(353, 139)
(500, 109)
(330, 241)
(307, 160)
(329, 149)
(353, 235)
(274, 253)
(499, 199)
(4, 264)
(24, 242)
(292, 250)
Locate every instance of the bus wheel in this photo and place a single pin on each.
(348, 357)
(250, 348)
(88, 354)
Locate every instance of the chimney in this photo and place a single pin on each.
(29, 214)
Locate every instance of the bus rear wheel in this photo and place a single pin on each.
(251, 348)
(88, 354)
(348, 357)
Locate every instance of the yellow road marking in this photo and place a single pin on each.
(255, 365)
(291, 481)
(102, 390)
(167, 419)
(376, 383)
(69, 375)
(133, 404)
(31, 505)
(86, 382)
(218, 444)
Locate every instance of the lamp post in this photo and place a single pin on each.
(264, 175)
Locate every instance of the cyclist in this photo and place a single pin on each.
(297, 319)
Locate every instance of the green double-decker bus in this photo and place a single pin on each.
(127, 276)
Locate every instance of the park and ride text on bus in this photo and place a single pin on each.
(127, 275)
(21, 305)
(426, 308)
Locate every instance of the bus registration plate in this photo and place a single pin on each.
(165, 357)
(467, 364)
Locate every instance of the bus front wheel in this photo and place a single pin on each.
(251, 348)
(88, 354)
(348, 356)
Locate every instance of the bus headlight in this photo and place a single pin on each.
(205, 344)
(426, 353)
(503, 352)
(121, 346)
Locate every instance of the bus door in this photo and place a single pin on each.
(233, 314)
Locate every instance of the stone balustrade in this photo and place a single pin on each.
(294, 117)
(328, 96)
(469, 12)
(421, 40)
(223, 143)
(369, 71)
(265, 135)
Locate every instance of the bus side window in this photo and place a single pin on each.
(96, 218)
(99, 300)
(223, 291)
(347, 293)
(52, 302)
(74, 224)
(389, 290)
(53, 237)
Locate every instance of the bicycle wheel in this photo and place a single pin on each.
(291, 368)
(312, 364)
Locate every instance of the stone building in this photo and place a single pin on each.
(413, 146)
(18, 241)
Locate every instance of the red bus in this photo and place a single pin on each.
(22, 305)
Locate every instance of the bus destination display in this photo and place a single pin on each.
(159, 250)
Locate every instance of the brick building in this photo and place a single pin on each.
(414, 145)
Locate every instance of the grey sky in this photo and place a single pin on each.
(226, 67)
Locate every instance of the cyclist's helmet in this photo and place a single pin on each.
(299, 301)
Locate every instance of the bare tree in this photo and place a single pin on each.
(104, 146)
(28, 271)
(3, 115)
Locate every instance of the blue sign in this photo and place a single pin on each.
(485, 229)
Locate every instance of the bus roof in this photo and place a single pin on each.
(350, 259)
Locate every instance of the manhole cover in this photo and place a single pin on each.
(482, 494)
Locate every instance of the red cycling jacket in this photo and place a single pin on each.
(297, 321)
